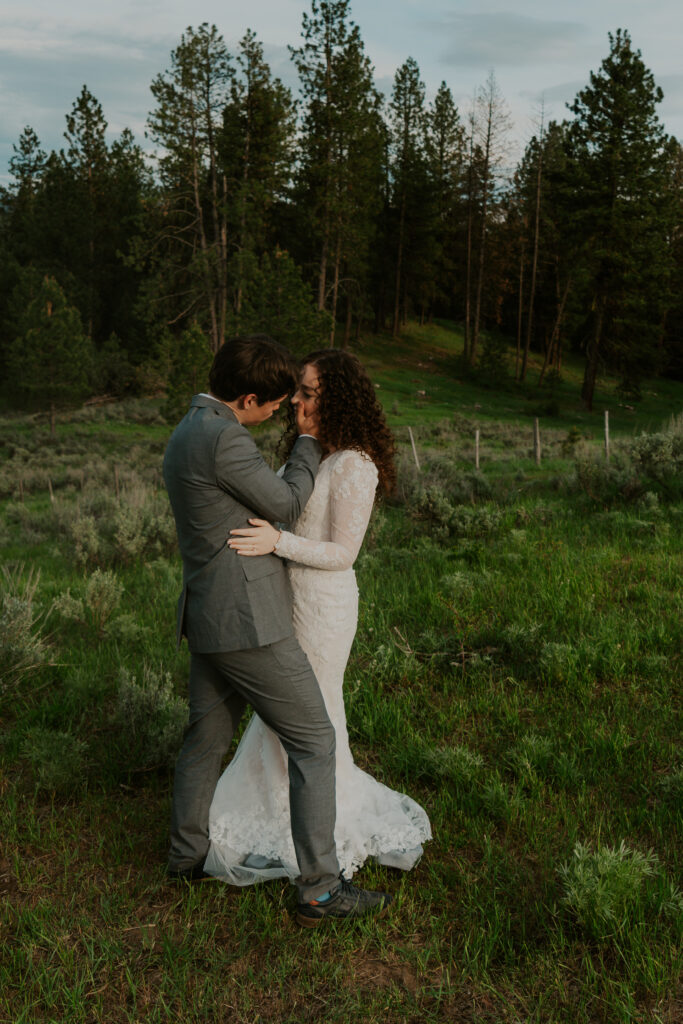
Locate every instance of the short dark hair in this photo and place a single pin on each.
(253, 364)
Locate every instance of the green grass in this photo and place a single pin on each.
(425, 359)
(517, 670)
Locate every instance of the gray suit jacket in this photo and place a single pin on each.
(216, 479)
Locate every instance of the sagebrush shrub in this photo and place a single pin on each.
(101, 597)
(150, 719)
(433, 508)
(671, 786)
(23, 644)
(603, 887)
(104, 531)
(56, 757)
(605, 482)
(651, 465)
(659, 458)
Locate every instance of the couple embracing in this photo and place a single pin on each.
(269, 608)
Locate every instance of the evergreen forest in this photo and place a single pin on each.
(339, 212)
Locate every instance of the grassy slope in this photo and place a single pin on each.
(521, 679)
(424, 359)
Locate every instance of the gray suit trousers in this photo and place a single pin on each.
(279, 683)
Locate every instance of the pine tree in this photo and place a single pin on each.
(256, 156)
(672, 338)
(87, 159)
(491, 125)
(190, 250)
(446, 156)
(50, 362)
(191, 362)
(619, 163)
(27, 167)
(342, 149)
(20, 235)
(70, 216)
(411, 194)
(279, 302)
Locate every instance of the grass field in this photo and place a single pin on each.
(517, 670)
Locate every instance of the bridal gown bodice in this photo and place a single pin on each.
(249, 824)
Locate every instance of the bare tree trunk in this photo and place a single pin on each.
(534, 260)
(553, 344)
(243, 225)
(322, 273)
(592, 359)
(482, 246)
(335, 287)
(468, 286)
(322, 279)
(208, 283)
(520, 304)
(347, 325)
(219, 233)
(399, 263)
(496, 122)
(468, 271)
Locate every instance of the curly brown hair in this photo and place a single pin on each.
(350, 415)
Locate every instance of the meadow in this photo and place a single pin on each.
(516, 670)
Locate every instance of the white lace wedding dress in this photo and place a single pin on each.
(249, 824)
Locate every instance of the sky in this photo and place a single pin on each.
(541, 52)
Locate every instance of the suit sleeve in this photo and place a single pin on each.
(244, 474)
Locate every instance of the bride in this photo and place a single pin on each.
(249, 821)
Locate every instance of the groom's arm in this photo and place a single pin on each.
(244, 474)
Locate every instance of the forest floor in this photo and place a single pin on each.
(516, 670)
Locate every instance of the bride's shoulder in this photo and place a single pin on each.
(349, 460)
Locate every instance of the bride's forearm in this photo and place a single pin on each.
(317, 554)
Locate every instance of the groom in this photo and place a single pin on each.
(237, 617)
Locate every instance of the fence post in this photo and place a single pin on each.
(116, 480)
(476, 448)
(49, 487)
(537, 442)
(607, 435)
(412, 441)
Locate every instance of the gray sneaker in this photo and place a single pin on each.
(345, 901)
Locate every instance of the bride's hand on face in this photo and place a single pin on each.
(258, 539)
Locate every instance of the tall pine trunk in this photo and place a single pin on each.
(399, 263)
(554, 343)
(203, 244)
(347, 323)
(590, 374)
(468, 262)
(335, 288)
(520, 305)
(480, 268)
(534, 263)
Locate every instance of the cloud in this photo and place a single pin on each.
(42, 73)
(672, 105)
(500, 40)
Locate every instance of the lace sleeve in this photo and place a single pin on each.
(352, 493)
